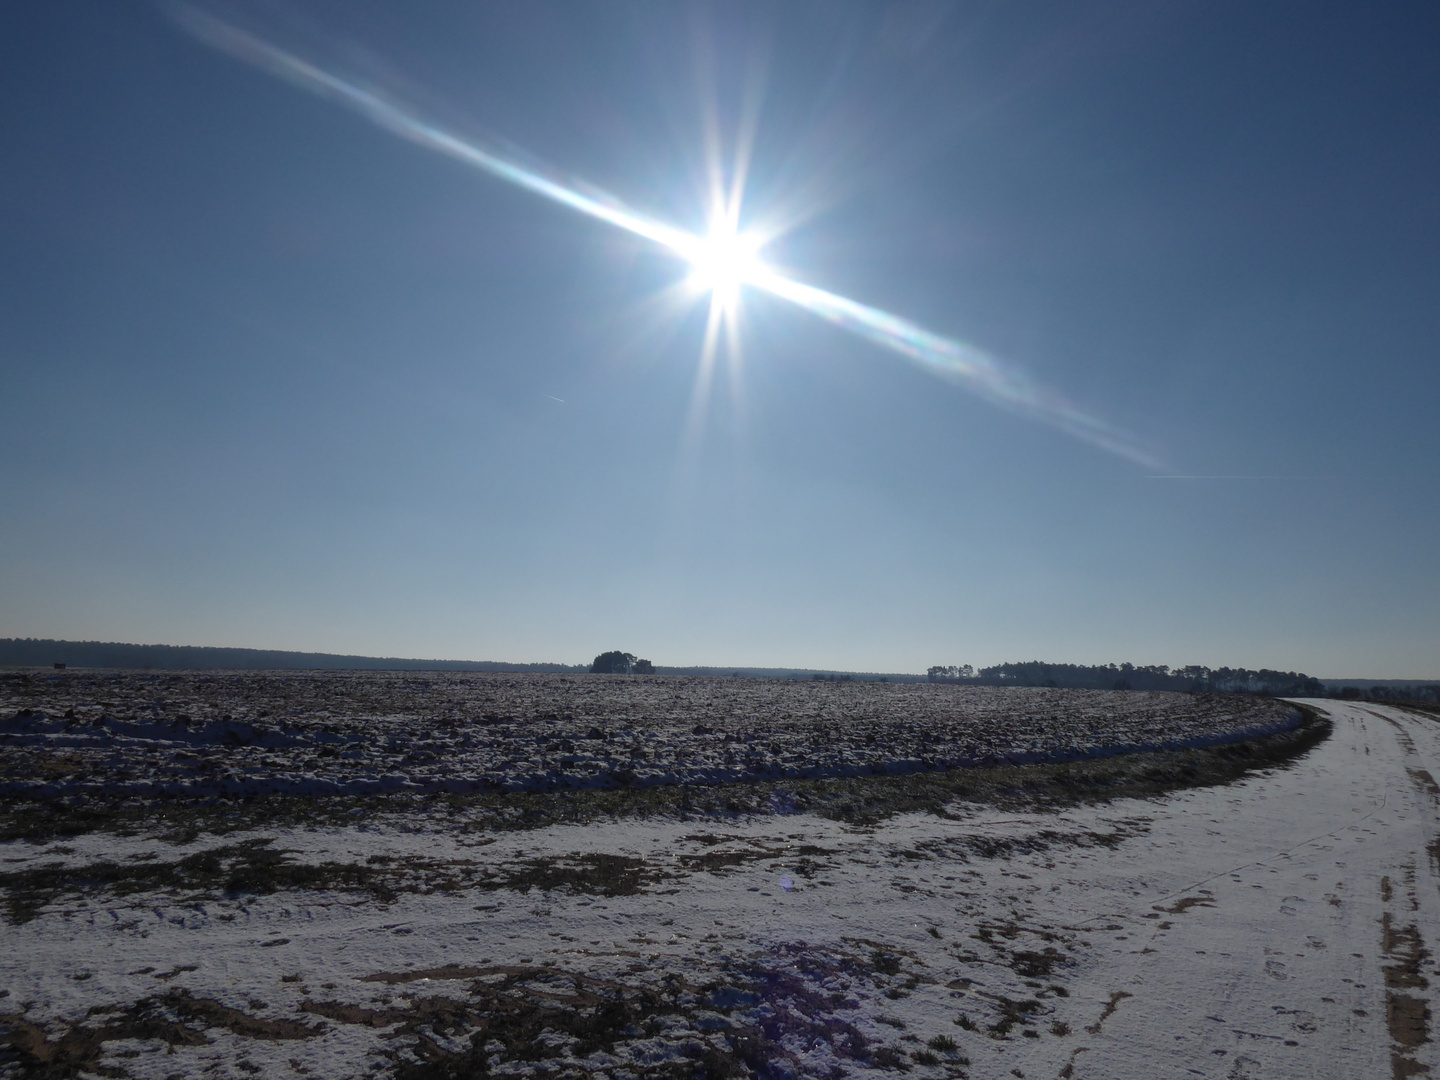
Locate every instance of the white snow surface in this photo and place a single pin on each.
(1278, 927)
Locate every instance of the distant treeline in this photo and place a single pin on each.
(1195, 679)
(1388, 692)
(43, 652)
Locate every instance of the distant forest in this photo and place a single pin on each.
(1193, 679)
(43, 652)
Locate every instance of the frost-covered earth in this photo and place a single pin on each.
(1280, 926)
(323, 733)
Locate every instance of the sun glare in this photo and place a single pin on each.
(723, 260)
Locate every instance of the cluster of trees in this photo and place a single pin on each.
(621, 663)
(1194, 678)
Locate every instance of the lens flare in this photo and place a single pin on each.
(953, 360)
(723, 261)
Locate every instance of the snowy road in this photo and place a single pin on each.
(1279, 927)
(1310, 951)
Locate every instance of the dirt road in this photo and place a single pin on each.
(1298, 914)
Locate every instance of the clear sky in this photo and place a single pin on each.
(273, 375)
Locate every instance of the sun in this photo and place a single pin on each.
(723, 260)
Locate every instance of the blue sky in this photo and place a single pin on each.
(275, 377)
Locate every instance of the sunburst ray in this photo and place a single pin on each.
(723, 262)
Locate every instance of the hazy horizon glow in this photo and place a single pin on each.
(723, 261)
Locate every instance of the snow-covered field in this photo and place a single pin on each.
(1280, 926)
(330, 733)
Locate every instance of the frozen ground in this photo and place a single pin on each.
(328, 733)
(1281, 926)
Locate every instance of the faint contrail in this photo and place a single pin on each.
(1000, 382)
